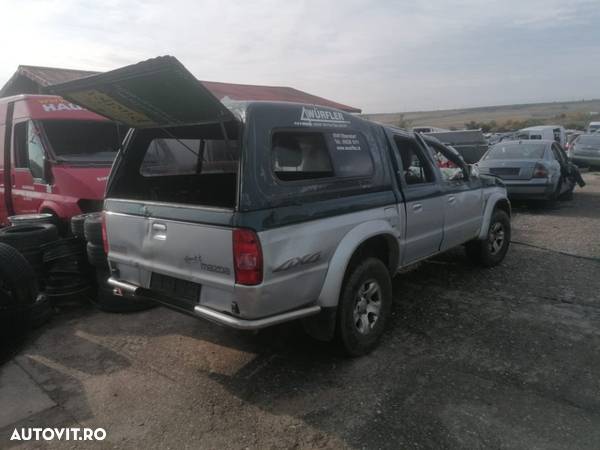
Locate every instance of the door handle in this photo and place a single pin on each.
(451, 199)
(159, 227)
(417, 207)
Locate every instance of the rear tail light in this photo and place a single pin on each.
(104, 237)
(247, 256)
(539, 171)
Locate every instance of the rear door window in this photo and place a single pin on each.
(416, 168)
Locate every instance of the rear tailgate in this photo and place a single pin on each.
(143, 247)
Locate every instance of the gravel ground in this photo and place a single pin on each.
(507, 357)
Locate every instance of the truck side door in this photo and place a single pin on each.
(463, 198)
(29, 186)
(423, 198)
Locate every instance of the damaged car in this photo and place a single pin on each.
(532, 169)
(260, 213)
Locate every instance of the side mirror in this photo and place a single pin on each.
(473, 170)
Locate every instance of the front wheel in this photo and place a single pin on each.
(490, 251)
(364, 308)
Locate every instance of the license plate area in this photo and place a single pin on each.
(181, 293)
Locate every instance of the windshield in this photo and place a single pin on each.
(516, 151)
(83, 141)
(589, 140)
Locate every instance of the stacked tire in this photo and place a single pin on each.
(92, 230)
(32, 219)
(67, 270)
(77, 226)
(29, 239)
(105, 300)
(18, 294)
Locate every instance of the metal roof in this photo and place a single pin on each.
(31, 80)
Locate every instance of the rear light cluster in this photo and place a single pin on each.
(104, 236)
(247, 257)
(539, 171)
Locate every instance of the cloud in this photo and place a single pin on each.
(381, 56)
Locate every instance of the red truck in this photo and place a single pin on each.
(55, 157)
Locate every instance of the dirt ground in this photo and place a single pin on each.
(507, 357)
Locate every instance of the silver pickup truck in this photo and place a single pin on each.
(258, 213)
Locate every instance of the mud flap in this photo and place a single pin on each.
(321, 326)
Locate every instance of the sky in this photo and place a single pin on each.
(381, 56)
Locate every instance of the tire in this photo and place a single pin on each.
(41, 311)
(568, 195)
(77, 226)
(96, 256)
(92, 228)
(491, 251)
(108, 302)
(18, 291)
(556, 194)
(24, 237)
(364, 307)
(30, 219)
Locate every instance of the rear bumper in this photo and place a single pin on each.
(534, 188)
(223, 318)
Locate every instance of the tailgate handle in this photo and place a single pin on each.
(159, 231)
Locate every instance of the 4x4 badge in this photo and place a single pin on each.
(298, 261)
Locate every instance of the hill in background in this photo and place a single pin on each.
(499, 118)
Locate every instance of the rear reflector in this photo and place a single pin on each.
(247, 256)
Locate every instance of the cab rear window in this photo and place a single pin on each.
(308, 155)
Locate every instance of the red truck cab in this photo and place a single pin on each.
(55, 156)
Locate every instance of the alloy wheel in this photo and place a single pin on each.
(367, 306)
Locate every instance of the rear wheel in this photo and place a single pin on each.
(491, 251)
(364, 307)
(556, 194)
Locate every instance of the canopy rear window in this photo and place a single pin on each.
(171, 156)
(195, 165)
